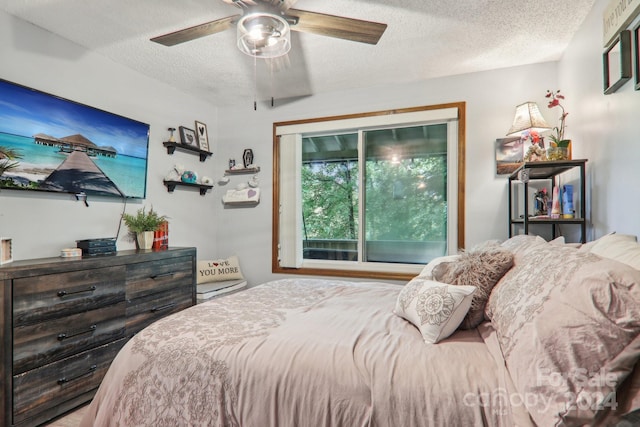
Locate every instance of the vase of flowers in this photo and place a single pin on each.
(559, 147)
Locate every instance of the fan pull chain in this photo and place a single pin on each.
(271, 81)
(255, 83)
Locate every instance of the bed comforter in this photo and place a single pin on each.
(303, 352)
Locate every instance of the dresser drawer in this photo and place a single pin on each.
(41, 343)
(160, 275)
(46, 297)
(143, 311)
(61, 381)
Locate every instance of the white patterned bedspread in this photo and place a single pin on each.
(299, 352)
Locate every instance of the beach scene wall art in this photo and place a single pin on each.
(65, 146)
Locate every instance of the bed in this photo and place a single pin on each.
(298, 352)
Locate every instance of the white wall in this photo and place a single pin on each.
(604, 129)
(41, 224)
(491, 98)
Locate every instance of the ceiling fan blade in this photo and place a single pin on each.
(337, 26)
(196, 31)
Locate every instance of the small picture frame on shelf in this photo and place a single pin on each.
(509, 155)
(616, 62)
(188, 137)
(203, 137)
(247, 158)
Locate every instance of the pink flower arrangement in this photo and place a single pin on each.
(554, 101)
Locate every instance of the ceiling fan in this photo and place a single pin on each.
(264, 27)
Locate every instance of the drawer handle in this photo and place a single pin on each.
(65, 293)
(63, 336)
(65, 380)
(163, 307)
(160, 276)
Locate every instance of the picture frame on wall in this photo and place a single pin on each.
(188, 136)
(203, 136)
(616, 62)
(636, 55)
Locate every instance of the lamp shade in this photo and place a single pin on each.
(528, 117)
(263, 35)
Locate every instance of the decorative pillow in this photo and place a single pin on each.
(624, 250)
(219, 270)
(481, 267)
(435, 308)
(608, 239)
(568, 324)
(428, 269)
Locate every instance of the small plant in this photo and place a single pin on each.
(7, 157)
(554, 101)
(143, 221)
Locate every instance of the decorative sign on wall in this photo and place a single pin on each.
(617, 16)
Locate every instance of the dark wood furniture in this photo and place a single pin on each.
(548, 170)
(64, 319)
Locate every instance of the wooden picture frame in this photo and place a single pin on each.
(616, 62)
(636, 54)
(188, 137)
(202, 135)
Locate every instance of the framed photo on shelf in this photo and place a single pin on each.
(203, 137)
(188, 137)
(636, 54)
(247, 158)
(616, 62)
(509, 155)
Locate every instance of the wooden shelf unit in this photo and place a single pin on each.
(171, 185)
(171, 148)
(548, 170)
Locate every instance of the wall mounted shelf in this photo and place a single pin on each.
(171, 185)
(246, 204)
(243, 171)
(171, 148)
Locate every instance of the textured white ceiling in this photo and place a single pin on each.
(424, 39)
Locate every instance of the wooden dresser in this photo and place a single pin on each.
(64, 319)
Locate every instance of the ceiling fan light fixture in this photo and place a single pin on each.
(263, 35)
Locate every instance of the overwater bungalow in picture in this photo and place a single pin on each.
(72, 143)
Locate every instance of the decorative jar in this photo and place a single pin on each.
(557, 153)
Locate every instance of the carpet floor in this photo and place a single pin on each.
(72, 419)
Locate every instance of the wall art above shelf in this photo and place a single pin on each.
(242, 171)
(171, 185)
(171, 148)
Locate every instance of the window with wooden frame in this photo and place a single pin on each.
(374, 195)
